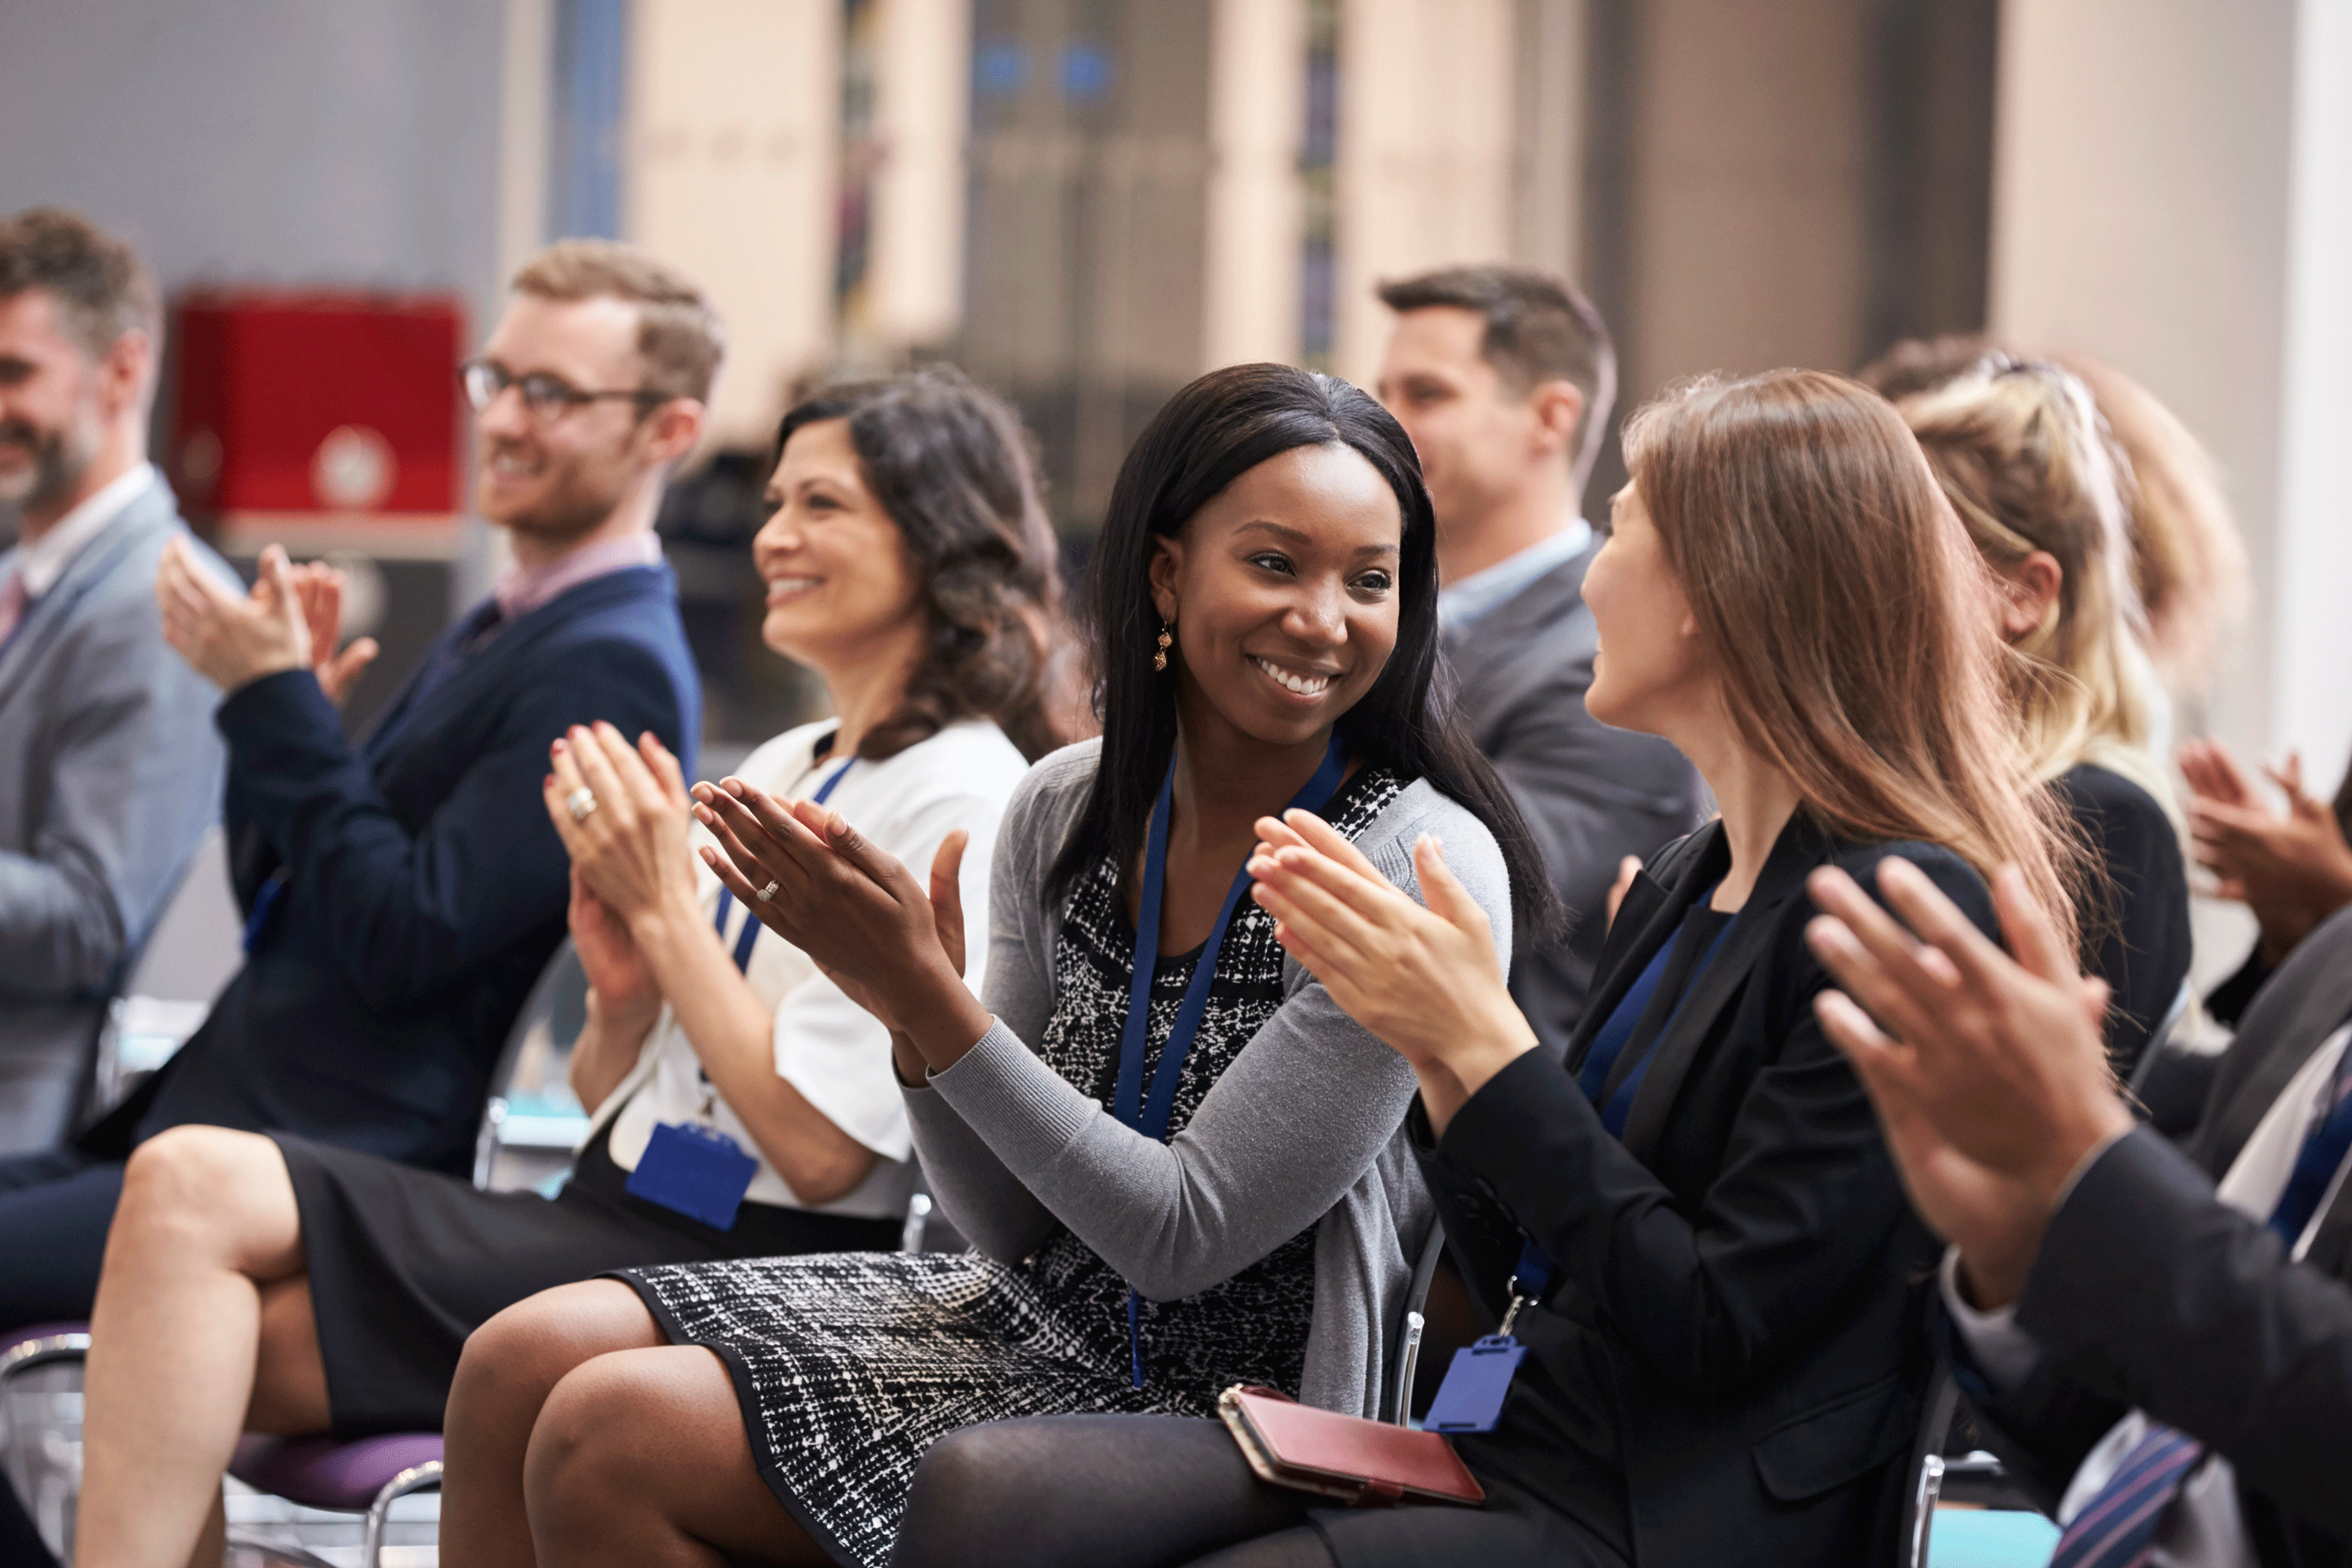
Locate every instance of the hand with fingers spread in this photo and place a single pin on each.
(623, 812)
(2291, 871)
(1989, 1074)
(1426, 980)
(857, 912)
(233, 641)
(318, 588)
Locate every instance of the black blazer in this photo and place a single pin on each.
(2149, 1294)
(1591, 794)
(426, 887)
(1740, 1289)
(2140, 925)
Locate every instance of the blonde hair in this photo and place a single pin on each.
(1854, 621)
(678, 335)
(2019, 452)
(2187, 562)
(2187, 559)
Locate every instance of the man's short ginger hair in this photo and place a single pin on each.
(678, 335)
(102, 287)
(1538, 329)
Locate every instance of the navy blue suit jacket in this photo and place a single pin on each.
(424, 888)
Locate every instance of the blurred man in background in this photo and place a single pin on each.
(402, 896)
(110, 771)
(1503, 376)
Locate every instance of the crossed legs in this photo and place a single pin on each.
(578, 1434)
(202, 1330)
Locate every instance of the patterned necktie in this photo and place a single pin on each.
(2116, 1529)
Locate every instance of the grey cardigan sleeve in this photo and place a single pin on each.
(1281, 1137)
(981, 1197)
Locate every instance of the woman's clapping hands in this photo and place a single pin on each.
(1426, 980)
(630, 846)
(894, 947)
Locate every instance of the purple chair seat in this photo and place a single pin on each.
(318, 1472)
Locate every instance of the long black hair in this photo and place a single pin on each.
(951, 466)
(1206, 437)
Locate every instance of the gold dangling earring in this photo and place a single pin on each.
(1159, 659)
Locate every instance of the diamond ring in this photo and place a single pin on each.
(581, 803)
(764, 894)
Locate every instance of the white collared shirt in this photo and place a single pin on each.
(2204, 1528)
(45, 560)
(833, 1051)
(1459, 604)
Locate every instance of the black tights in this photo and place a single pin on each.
(1115, 1491)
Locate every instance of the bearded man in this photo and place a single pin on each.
(402, 894)
(110, 771)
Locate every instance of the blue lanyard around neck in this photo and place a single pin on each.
(1128, 1104)
(748, 937)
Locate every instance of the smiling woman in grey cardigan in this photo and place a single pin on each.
(1303, 1130)
(1180, 1162)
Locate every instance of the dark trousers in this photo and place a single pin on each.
(54, 1211)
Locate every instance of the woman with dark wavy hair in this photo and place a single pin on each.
(1180, 1162)
(293, 1287)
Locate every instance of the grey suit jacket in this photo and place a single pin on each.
(110, 772)
(1591, 794)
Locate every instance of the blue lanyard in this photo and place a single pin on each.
(1127, 1099)
(748, 937)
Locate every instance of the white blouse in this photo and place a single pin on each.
(827, 1047)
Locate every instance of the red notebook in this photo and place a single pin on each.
(1366, 1464)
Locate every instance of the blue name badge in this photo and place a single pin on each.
(1471, 1397)
(695, 1170)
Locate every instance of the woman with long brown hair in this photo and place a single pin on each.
(1693, 1225)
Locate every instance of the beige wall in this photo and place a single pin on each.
(729, 169)
(1750, 162)
(2140, 199)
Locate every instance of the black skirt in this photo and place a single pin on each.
(404, 1263)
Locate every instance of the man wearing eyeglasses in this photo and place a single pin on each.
(402, 894)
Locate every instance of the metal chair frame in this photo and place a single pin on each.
(1396, 1406)
(73, 1347)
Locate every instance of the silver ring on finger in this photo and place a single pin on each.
(581, 803)
(764, 894)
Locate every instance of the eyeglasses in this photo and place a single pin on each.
(548, 398)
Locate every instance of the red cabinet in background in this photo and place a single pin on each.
(319, 417)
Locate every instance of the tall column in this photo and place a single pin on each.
(922, 110)
(1257, 120)
(2311, 688)
(728, 169)
(1424, 153)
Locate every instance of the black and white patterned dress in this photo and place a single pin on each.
(850, 1366)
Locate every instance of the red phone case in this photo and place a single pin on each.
(1363, 1463)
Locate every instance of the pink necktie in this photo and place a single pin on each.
(12, 605)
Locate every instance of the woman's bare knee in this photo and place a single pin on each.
(634, 1444)
(519, 1356)
(211, 1194)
